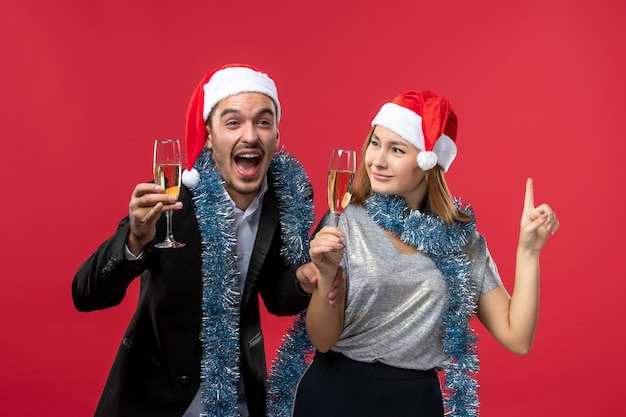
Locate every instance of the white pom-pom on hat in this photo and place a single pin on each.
(426, 121)
(191, 177)
(426, 160)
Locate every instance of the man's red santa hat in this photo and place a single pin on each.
(214, 87)
(426, 121)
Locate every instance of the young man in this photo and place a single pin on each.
(195, 343)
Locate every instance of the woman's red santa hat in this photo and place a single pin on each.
(426, 121)
(215, 86)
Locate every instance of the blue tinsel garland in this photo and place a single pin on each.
(291, 358)
(220, 298)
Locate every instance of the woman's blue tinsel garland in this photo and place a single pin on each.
(220, 298)
(444, 244)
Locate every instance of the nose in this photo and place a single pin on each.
(380, 159)
(249, 134)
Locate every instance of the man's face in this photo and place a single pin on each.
(243, 134)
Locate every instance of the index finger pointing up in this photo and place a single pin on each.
(529, 197)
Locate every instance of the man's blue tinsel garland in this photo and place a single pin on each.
(220, 298)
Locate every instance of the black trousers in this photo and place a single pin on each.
(335, 386)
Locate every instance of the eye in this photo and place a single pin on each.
(232, 122)
(374, 143)
(264, 122)
(398, 151)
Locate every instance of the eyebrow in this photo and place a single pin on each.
(261, 112)
(391, 142)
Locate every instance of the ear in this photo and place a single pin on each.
(277, 138)
(209, 140)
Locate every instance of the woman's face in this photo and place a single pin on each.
(391, 164)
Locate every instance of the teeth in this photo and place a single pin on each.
(248, 155)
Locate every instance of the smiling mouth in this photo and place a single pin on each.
(379, 177)
(247, 163)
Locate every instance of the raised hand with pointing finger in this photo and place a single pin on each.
(537, 222)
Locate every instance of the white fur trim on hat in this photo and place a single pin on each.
(403, 122)
(236, 80)
(408, 125)
(445, 148)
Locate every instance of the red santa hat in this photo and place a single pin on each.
(214, 87)
(426, 121)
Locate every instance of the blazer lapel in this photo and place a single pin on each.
(267, 227)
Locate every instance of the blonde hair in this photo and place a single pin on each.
(438, 199)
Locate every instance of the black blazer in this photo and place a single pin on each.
(156, 371)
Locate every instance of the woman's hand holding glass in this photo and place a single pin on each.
(327, 247)
(327, 250)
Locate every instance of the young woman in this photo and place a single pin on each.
(417, 271)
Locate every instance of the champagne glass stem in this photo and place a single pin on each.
(337, 219)
(169, 236)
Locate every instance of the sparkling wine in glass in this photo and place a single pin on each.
(167, 173)
(340, 177)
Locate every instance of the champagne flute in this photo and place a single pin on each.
(167, 173)
(340, 176)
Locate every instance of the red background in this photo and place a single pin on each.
(538, 87)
